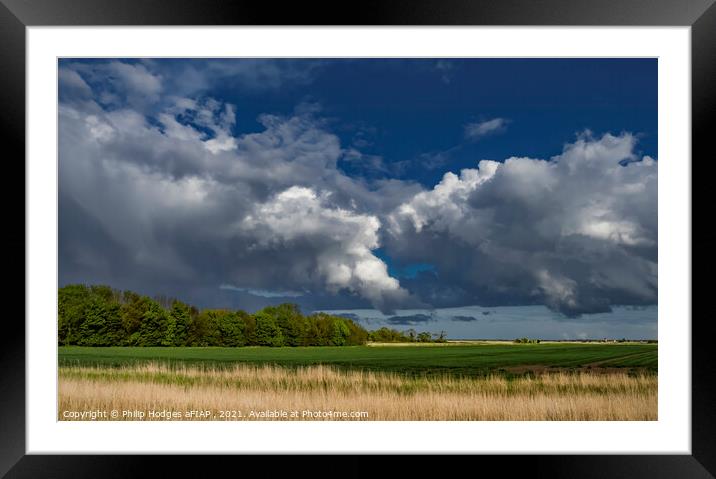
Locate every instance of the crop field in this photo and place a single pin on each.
(490, 381)
(454, 360)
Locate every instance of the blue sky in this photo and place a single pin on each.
(405, 109)
(385, 184)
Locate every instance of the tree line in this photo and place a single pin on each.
(98, 315)
(387, 335)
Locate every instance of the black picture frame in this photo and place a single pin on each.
(16, 15)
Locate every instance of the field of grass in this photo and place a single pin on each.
(458, 381)
(255, 392)
(458, 360)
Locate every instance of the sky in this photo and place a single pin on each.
(379, 188)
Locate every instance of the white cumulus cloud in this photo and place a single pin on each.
(343, 242)
(577, 232)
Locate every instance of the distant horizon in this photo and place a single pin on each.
(625, 321)
(510, 322)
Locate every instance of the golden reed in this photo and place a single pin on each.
(562, 396)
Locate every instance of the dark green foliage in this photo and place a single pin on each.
(221, 327)
(231, 330)
(424, 337)
(199, 330)
(249, 327)
(155, 323)
(356, 334)
(180, 316)
(323, 329)
(268, 332)
(102, 325)
(132, 312)
(288, 318)
(102, 316)
(387, 335)
(209, 319)
(526, 341)
(89, 316)
(71, 304)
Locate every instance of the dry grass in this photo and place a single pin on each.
(384, 396)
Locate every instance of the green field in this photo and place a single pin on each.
(469, 360)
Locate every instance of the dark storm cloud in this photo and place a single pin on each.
(410, 319)
(78, 235)
(185, 199)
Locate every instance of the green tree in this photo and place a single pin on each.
(292, 323)
(249, 327)
(267, 332)
(311, 333)
(170, 331)
(180, 316)
(324, 330)
(101, 316)
(357, 335)
(205, 328)
(72, 300)
(340, 332)
(132, 313)
(101, 325)
(231, 329)
(153, 329)
(425, 337)
(105, 293)
(387, 335)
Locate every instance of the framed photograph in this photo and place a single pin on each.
(434, 229)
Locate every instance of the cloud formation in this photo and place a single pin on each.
(262, 292)
(577, 232)
(478, 130)
(339, 244)
(411, 319)
(158, 191)
(175, 197)
(446, 69)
